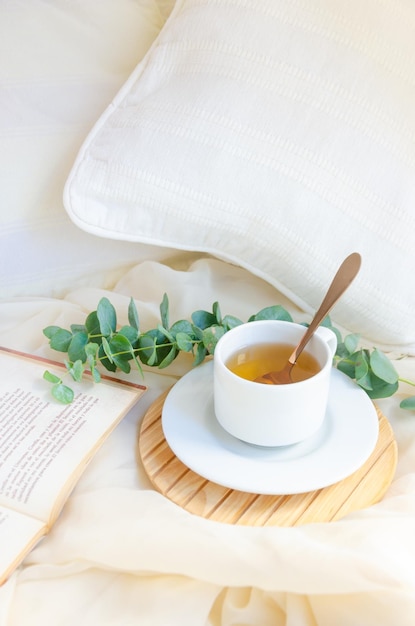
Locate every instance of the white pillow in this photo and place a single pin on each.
(62, 63)
(277, 135)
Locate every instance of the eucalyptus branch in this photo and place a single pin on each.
(99, 343)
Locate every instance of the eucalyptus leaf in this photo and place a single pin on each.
(347, 366)
(169, 358)
(96, 375)
(230, 321)
(200, 354)
(327, 322)
(152, 347)
(76, 369)
(107, 349)
(133, 315)
(49, 331)
(91, 349)
(62, 393)
(93, 327)
(408, 403)
(381, 389)
(341, 351)
(104, 360)
(351, 343)
(51, 378)
(121, 352)
(203, 319)
(211, 337)
(275, 312)
(166, 333)
(184, 342)
(365, 381)
(77, 328)
(164, 311)
(217, 313)
(76, 348)
(129, 332)
(198, 332)
(382, 367)
(61, 340)
(107, 317)
(362, 370)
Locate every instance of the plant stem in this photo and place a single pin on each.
(408, 382)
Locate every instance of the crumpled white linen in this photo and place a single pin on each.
(122, 554)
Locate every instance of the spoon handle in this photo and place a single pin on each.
(341, 281)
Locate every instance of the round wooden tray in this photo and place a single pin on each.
(202, 497)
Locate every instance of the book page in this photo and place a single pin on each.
(44, 445)
(18, 534)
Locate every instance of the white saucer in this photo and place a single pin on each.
(344, 442)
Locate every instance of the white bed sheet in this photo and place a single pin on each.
(123, 554)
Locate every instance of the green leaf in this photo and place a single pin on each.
(62, 393)
(200, 354)
(211, 337)
(197, 332)
(93, 327)
(122, 364)
(121, 352)
(276, 312)
(133, 315)
(203, 319)
(76, 348)
(341, 351)
(107, 350)
(61, 340)
(169, 358)
(381, 389)
(91, 349)
(104, 360)
(49, 331)
(107, 317)
(347, 366)
(217, 313)
(76, 369)
(184, 342)
(96, 375)
(138, 364)
(382, 367)
(351, 343)
(130, 332)
(51, 378)
(182, 326)
(362, 374)
(327, 322)
(152, 348)
(408, 403)
(166, 333)
(164, 311)
(77, 328)
(230, 321)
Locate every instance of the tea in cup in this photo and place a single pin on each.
(268, 414)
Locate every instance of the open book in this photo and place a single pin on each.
(45, 446)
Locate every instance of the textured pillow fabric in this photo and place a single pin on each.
(62, 63)
(277, 135)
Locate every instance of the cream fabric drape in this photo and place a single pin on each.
(122, 554)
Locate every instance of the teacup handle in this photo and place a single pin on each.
(329, 337)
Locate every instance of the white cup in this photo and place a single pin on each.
(272, 415)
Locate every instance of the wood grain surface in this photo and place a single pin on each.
(202, 497)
